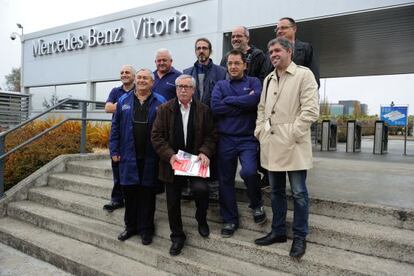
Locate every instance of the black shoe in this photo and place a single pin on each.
(270, 239)
(204, 230)
(146, 239)
(126, 235)
(176, 248)
(298, 248)
(111, 206)
(228, 230)
(259, 215)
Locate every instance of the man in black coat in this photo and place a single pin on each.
(255, 58)
(303, 52)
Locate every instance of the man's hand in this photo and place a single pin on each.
(205, 161)
(116, 158)
(174, 159)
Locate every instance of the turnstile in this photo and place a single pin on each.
(353, 136)
(380, 138)
(328, 135)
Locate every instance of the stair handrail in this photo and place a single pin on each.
(83, 119)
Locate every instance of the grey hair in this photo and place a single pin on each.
(163, 50)
(148, 71)
(245, 31)
(184, 76)
(285, 43)
(130, 67)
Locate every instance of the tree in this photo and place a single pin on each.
(357, 110)
(13, 80)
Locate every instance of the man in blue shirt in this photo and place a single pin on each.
(127, 78)
(165, 75)
(234, 104)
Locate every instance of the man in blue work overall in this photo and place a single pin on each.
(234, 104)
(130, 145)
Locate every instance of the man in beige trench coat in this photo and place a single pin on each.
(287, 108)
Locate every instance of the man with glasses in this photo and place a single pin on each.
(165, 74)
(131, 147)
(234, 104)
(255, 58)
(127, 78)
(184, 124)
(206, 74)
(303, 53)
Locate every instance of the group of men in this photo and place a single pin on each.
(223, 115)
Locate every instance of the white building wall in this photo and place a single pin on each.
(209, 18)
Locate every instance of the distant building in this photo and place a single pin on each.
(364, 109)
(336, 109)
(351, 105)
(345, 108)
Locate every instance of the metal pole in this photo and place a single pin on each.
(405, 139)
(2, 151)
(83, 129)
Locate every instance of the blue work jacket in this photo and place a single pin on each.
(121, 142)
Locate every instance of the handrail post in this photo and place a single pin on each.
(83, 128)
(2, 161)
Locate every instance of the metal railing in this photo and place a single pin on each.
(61, 105)
(14, 108)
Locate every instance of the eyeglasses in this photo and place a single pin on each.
(202, 48)
(185, 87)
(236, 63)
(283, 28)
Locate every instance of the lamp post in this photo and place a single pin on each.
(21, 37)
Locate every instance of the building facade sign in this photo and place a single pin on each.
(145, 27)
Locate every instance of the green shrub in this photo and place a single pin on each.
(63, 140)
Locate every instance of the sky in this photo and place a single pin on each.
(43, 14)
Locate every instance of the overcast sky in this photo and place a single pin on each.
(43, 14)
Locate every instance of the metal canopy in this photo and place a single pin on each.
(377, 42)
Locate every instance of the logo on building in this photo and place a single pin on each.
(144, 27)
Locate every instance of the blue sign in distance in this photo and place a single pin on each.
(394, 115)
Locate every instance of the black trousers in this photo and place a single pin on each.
(139, 209)
(199, 189)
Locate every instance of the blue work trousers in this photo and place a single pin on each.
(231, 148)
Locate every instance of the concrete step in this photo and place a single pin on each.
(361, 237)
(380, 241)
(318, 260)
(86, 185)
(16, 263)
(371, 213)
(95, 168)
(68, 254)
(193, 261)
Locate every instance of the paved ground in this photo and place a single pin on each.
(16, 263)
(364, 177)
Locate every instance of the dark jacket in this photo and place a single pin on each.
(213, 73)
(121, 142)
(205, 137)
(302, 55)
(256, 63)
(234, 108)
